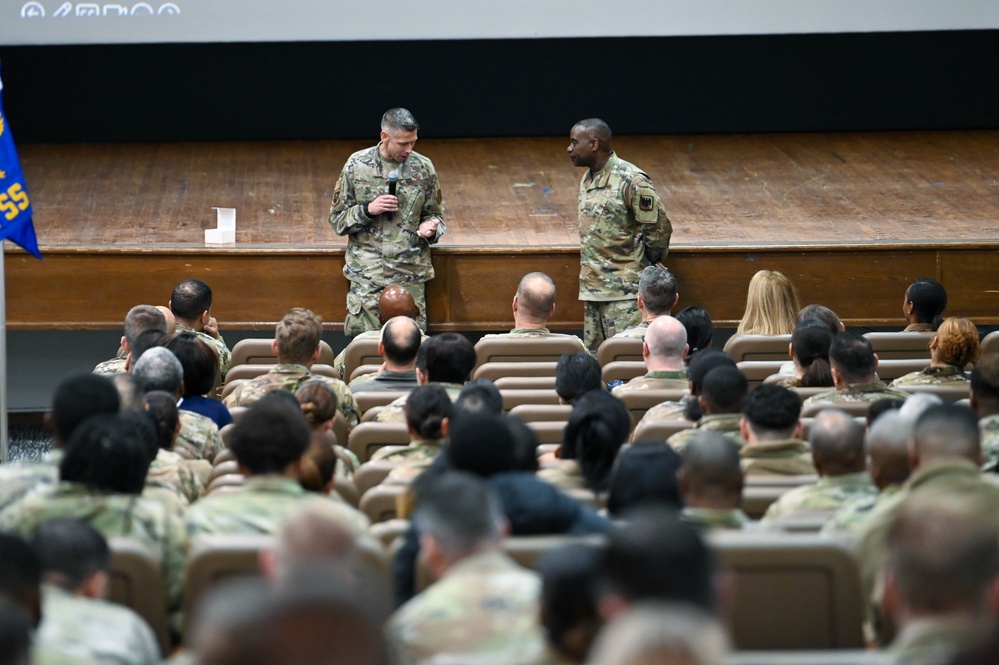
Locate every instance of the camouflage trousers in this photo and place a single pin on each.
(604, 319)
(362, 306)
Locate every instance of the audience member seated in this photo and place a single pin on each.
(76, 618)
(428, 414)
(399, 344)
(181, 480)
(645, 473)
(296, 345)
(75, 400)
(484, 607)
(809, 350)
(268, 443)
(854, 370)
(837, 443)
(923, 306)
(664, 347)
(201, 366)
(102, 475)
(711, 483)
(700, 330)
(954, 346)
(568, 613)
(450, 359)
(159, 369)
(823, 314)
(689, 407)
(985, 402)
(720, 399)
(657, 297)
(598, 426)
(319, 406)
(394, 301)
(662, 634)
(771, 427)
(533, 306)
(479, 396)
(191, 304)
(138, 320)
(576, 374)
(771, 306)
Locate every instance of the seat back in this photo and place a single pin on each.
(948, 392)
(622, 370)
(215, 558)
(758, 371)
(247, 371)
(361, 370)
(524, 349)
(900, 345)
(660, 430)
(542, 412)
(853, 408)
(525, 383)
(231, 386)
(367, 400)
(370, 474)
(366, 438)
(258, 352)
(381, 502)
(136, 581)
(889, 370)
(498, 370)
(640, 401)
(616, 349)
(548, 431)
(361, 351)
(758, 347)
(512, 398)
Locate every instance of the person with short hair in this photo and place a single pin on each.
(954, 347)
(533, 305)
(388, 234)
(985, 402)
(399, 344)
(201, 366)
(428, 415)
(662, 634)
(645, 473)
(854, 369)
(393, 301)
(138, 320)
(689, 408)
(771, 426)
(657, 296)
(699, 327)
(711, 482)
(923, 305)
(721, 395)
(575, 375)
(171, 477)
(191, 304)
(663, 348)
(569, 613)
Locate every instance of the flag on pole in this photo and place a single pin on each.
(15, 206)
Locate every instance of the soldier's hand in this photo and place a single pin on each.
(211, 328)
(384, 203)
(428, 229)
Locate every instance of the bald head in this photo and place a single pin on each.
(946, 432)
(534, 303)
(171, 320)
(887, 448)
(837, 442)
(400, 342)
(395, 301)
(665, 344)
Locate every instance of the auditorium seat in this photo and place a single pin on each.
(512, 398)
(388, 532)
(366, 400)
(381, 502)
(622, 370)
(900, 345)
(853, 408)
(524, 349)
(618, 349)
(757, 498)
(372, 413)
(525, 382)
(548, 431)
(222, 469)
(370, 474)
(244, 372)
(891, 369)
(361, 351)
(231, 386)
(792, 591)
(497, 370)
(229, 482)
(660, 430)
(758, 371)
(949, 393)
(212, 559)
(366, 438)
(640, 401)
(136, 581)
(361, 370)
(259, 352)
(225, 455)
(758, 347)
(540, 412)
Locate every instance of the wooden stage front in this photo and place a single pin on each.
(851, 218)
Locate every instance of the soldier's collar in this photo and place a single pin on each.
(601, 177)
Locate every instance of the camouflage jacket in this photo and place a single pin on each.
(396, 411)
(483, 611)
(95, 629)
(710, 518)
(18, 480)
(638, 332)
(856, 392)
(934, 376)
(623, 228)
(217, 345)
(180, 477)
(291, 377)
(258, 507)
(417, 453)
(989, 429)
(786, 457)
(848, 518)
(666, 411)
(826, 495)
(199, 437)
(146, 520)
(726, 423)
(383, 250)
(112, 367)
(656, 380)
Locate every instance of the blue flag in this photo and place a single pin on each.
(15, 206)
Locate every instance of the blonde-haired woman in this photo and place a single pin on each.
(771, 306)
(952, 349)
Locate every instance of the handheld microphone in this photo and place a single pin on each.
(393, 178)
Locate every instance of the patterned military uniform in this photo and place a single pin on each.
(934, 376)
(216, 345)
(726, 423)
(856, 392)
(180, 477)
(784, 457)
(146, 520)
(290, 377)
(848, 518)
(199, 437)
(383, 250)
(714, 519)
(989, 429)
(20, 480)
(417, 453)
(483, 611)
(826, 495)
(666, 411)
(659, 379)
(638, 332)
(623, 229)
(112, 367)
(95, 629)
(396, 411)
(259, 507)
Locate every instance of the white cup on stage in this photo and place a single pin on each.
(226, 231)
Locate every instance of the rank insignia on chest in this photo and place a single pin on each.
(645, 202)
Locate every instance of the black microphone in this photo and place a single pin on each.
(393, 178)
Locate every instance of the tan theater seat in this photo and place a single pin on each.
(498, 370)
(949, 393)
(900, 345)
(525, 383)
(640, 401)
(616, 349)
(660, 430)
(622, 370)
(524, 349)
(213, 559)
(541, 412)
(367, 400)
(513, 398)
(361, 351)
(758, 347)
(548, 431)
(381, 502)
(370, 474)
(136, 581)
(366, 438)
(259, 352)
(758, 371)
(889, 370)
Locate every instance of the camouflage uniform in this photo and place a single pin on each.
(396, 411)
(483, 611)
(934, 376)
(259, 507)
(534, 333)
(784, 457)
(417, 453)
(216, 345)
(726, 423)
(383, 250)
(141, 518)
(112, 367)
(656, 380)
(95, 629)
(637, 332)
(623, 228)
(180, 477)
(987, 426)
(826, 495)
(848, 518)
(199, 437)
(290, 377)
(856, 392)
(712, 519)
(20, 480)
(666, 411)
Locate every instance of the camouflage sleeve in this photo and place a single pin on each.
(174, 557)
(649, 212)
(433, 207)
(346, 214)
(225, 356)
(348, 405)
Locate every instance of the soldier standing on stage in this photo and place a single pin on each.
(622, 227)
(388, 236)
